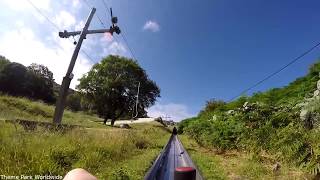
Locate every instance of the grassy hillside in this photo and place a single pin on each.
(106, 152)
(235, 164)
(264, 124)
(22, 108)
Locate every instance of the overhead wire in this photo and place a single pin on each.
(57, 27)
(277, 71)
(100, 19)
(122, 34)
(132, 53)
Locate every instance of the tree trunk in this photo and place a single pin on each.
(105, 120)
(112, 121)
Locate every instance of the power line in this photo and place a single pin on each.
(106, 6)
(100, 20)
(57, 27)
(125, 40)
(40, 12)
(103, 25)
(277, 71)
(122, 34)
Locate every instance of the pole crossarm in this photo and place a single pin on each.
(63, 93)
(66, 34)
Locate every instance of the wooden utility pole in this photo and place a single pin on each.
(60, 104)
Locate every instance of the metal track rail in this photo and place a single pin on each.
(172, 156)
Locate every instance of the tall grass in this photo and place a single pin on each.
(237, 164)
(22, 108)
(106, 153)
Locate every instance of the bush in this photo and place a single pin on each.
(220, 133)
(271, 123)
(184, 123)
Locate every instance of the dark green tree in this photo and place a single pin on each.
(35, 81)
(111, 86)
(3, 61)
(213, 105)
(13, 78)
(74, 101)
(41, 82)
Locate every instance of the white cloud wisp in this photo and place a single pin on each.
(152, 26)
(177, 112)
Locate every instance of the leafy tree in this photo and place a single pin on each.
(111, 86)
(3, 61)
(35, 82)
(13, 79)
(41, 82)
(74, 102)
(212, 106)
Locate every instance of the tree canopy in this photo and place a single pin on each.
(3, 61)
(35, 81)
(111, 86)
(13, 79)
(42, 82)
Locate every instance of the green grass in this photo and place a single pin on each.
(208, 165)
(236, 165)
(12, 108)
(107, 153)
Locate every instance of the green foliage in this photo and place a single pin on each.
(120, 174)
(290, 142)
(212, 106)
(112, 84)
(217, 132)
(74, 102)
(184, 123)
(105, 154)
(13, 79)
(35, 81)
(3, 61)
(12, 108)
(41, 83)
(208, 165)
(313, 163)
(236, 103)
(270, 123)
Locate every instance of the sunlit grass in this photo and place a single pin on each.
(236, 165)
(12, 108)
(106, 153)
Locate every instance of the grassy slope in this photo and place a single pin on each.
(22, 108)
(106, 152)
(236, 165)
(243, 164)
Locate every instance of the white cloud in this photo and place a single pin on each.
(110, 46)
(76, 4)
(152, 26)
(19, 5)
(65, 20)
(24, 47)
(79, 26)
(116, 48)
(177, 112)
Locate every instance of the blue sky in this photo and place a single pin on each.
(194, 50)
